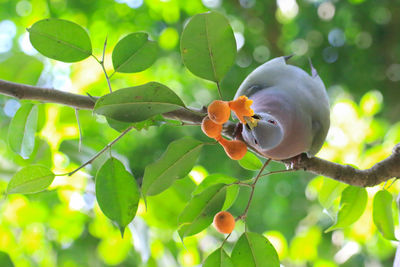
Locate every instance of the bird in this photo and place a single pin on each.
(291, 110)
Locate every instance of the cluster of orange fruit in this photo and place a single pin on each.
(219, 112)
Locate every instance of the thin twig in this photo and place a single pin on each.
(253, 186)
(99, 153)
(241, 183)
(226, 238)
(80, 129)
(104, 49)
(279, 171)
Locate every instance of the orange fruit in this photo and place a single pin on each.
(210, 128)
(241, 107)
(235, 149)
(224, 222)
(219, 111)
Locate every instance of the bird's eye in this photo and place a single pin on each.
(257, 117)
(255, 142)
(272, 122)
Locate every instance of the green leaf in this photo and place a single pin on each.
(213, 179)
(352, 205)
(121, 126)
(200, 211)
(30, 179)
(382, 214)
(177, 161)
(134, 104)
(134, 53)
(60, 39)
(21, 68)
(330, 191)
(71, 149)
(5, 260)
(117, 192)
(22, 129)
(208, 46)
(218, 258)
(232, 192)
(169, 204)
(254, 250)
(250, 162)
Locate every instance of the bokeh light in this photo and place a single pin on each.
(7, 33)
(336, 37)
(299, 47)
(261, 54)
(326, 11)
(330, 54)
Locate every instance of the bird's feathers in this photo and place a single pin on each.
(296, 99)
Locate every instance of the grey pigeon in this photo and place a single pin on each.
(291, 110)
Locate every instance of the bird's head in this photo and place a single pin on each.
(263, 131)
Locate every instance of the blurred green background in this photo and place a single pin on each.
(354, 45)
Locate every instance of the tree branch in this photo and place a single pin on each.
(380, 172)
(22, 91)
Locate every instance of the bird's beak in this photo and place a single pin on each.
(251, 121)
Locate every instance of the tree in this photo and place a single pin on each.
(132, 175)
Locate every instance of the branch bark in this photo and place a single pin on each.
(380, 172)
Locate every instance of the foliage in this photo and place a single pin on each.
(179, 177)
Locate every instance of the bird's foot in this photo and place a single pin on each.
(293, 163)
(237, 134)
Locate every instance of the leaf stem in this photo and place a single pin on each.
(240, 183)
(99, 153)
(80, 129)
(253, 186)
(219, 90)
(101, 62)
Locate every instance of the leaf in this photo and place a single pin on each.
(5, 260)
(169, 204)
(382, 214)
(330, 191)
(250, 162)
(254, 250)
(134, 53)
(30, 179)
(60, 39)
(352, 205)
(232, 192)
(117, 192)
(22, 129)
(121, 126)
(208, 46)
(213, 179)
(177, 161)
(21, 68)
(134, 104)
(200, 211)
(71, 149)
(218, 258)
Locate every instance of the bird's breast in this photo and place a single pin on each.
(295, 122)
